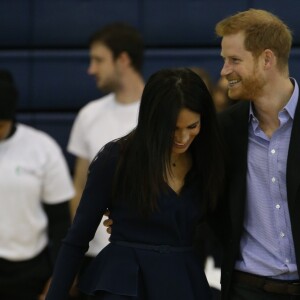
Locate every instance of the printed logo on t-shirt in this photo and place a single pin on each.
(20, 170)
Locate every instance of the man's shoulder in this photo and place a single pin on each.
(97, 105)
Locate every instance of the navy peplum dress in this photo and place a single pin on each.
(148, 258)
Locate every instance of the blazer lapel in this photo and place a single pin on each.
(293, 164)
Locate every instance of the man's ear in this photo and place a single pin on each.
(124, 59)
(269, 58)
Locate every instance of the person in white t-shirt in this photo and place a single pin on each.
(35, 189)
(116, 57)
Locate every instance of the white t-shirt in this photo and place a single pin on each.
(97, 123)
(32, 171)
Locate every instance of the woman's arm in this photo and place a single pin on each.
(94, 202)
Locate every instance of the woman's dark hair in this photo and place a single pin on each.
(145, 152)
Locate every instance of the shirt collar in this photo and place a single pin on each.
(292, 104)
(290, 107)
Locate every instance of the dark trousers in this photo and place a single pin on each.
(240, 291)
(24, 280)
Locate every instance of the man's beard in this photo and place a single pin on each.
(250, 87)
(108, 87)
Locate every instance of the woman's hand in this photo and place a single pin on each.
(108, 222)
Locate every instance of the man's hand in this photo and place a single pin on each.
(108, 222)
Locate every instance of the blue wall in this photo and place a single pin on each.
(44, 44)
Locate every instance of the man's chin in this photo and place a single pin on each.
(233, 96)
(105, 89)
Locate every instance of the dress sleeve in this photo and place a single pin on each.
(94, 201)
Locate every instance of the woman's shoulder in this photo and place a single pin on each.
(112, 148)
(107, 156)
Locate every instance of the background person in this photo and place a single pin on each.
(116, 58)
(35, 187)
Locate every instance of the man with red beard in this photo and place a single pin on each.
(262, 206)
(260, 214)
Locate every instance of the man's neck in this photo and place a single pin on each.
(131, 89)
(268, 106)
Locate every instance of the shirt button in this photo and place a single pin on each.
(273, 179)
(282, 234)
(277, 206)
(273, 151)
(287, 260)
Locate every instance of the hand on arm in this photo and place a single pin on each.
(108, 222)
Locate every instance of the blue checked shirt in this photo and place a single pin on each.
(267, 246)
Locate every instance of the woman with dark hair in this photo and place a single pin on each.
(158, 182)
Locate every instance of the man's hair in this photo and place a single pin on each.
(121, 37)
(263, 30)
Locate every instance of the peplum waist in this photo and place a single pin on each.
(113, 271)
(174, 272)
(157, 248)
